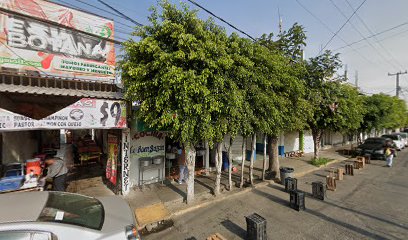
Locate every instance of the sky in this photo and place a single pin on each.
(373, 57)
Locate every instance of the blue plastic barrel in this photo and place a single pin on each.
(281, 150)
(225, 161)
(248, 155)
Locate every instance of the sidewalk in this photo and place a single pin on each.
(156, 202)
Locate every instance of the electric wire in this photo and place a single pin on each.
(371, 32)
(219, 18)
(120, 13)
(361, 35)
(117, 15)
(330, 30)
(342, 26)
(81, 9)
(373, 35)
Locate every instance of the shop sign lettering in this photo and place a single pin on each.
(86, 113)
(148, 149)
(125, 161)
(156, 134)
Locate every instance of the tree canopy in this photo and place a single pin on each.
(199, 84)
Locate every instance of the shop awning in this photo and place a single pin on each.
(9, 88)
(38, 97)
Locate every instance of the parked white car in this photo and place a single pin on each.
(65, 216)
(404, 137)
(397, 139)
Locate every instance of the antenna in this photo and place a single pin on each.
(280, 21)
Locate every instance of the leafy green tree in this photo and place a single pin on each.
(289, 71)
(177, 70)
(336, 106)
(383, 111)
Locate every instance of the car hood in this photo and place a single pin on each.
(371, 146)
(118, 214)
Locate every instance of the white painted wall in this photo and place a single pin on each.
(18, 146)
(291, 141)
(336, 138)
(308, 148)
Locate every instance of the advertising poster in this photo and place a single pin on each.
(86, 113)
(49, 38)
(113, 154)
(145, 144)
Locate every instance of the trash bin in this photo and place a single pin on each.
(286, 172)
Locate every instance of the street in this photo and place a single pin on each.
(372, 204)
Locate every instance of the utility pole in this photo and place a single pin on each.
(356, 79)
(345, 73)
(398, 88)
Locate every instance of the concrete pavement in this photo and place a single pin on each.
(370, 205)
(170, 196)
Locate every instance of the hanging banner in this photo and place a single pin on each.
(42, 36)
(112, 162)
(84, 114)
(125, 161)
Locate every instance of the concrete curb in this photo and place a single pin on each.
(246, 190)
(220, 198)
(301, 174)
(227, 195)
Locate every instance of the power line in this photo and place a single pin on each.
(373, 35)
(371, 32)
(81, 9)
(359, 32)
(335, 34)
(120, 13)
(219, 18)
(330, 30)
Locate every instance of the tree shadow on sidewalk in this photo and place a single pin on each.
(271, 197)
(234, 228)
(366, 215)
(177, 190)
(345, 225)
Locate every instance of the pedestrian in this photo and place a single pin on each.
(182, 165)
(57, 172)
(389, 154)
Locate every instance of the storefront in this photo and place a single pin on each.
(153, 157)
(86, 134)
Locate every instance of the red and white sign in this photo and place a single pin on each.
(83, 114)
(49, 38)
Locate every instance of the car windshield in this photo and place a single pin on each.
(374, 141)
(73, 209)
(393, 137)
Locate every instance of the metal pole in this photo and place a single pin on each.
(398, 88)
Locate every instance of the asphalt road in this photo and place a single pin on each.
(373, 204)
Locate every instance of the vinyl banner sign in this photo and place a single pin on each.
(42, 36)
(84, 114)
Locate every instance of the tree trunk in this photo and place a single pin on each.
(264, 157)
(274, 156)
(230, 186)
(218, 168)
(251, 163)
(190, 159)
(241, 184)
(317, 136)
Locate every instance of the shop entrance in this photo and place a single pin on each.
(92, 156)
